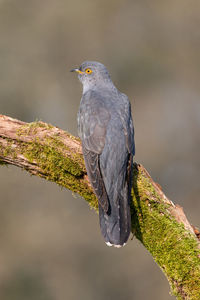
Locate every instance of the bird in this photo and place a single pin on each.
(106, 130)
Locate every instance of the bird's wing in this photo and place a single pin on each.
(126, 118)
(93, 119)
(95, 176)
(130, 135)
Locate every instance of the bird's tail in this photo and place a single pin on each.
(116, 223)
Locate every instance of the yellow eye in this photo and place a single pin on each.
(88, 71)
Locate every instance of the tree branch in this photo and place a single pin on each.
(161, 226)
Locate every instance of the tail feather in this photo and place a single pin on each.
(116, 225)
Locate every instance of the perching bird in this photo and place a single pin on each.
(106, 130)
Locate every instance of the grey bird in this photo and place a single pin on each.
(105, 128)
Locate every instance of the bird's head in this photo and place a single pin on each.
(92, 73)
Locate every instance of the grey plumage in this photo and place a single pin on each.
(106, 130)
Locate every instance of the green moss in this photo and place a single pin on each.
(158, 231)
(53, 141)
(55, 160)
(3, 163)
(8, 150)
(31, 128)
(51, 161)
(64, 170)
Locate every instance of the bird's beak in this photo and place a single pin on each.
(76, 70)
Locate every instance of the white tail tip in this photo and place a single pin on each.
(116, 246)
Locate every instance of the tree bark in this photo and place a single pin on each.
(162, 227)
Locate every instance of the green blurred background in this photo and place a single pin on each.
(51, 247)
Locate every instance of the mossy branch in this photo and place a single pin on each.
(161, 226)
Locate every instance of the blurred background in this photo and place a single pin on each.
(51, 247)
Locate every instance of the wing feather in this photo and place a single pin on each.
(95, 177)
(93, 119)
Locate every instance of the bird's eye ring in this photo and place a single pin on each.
(88, 71)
